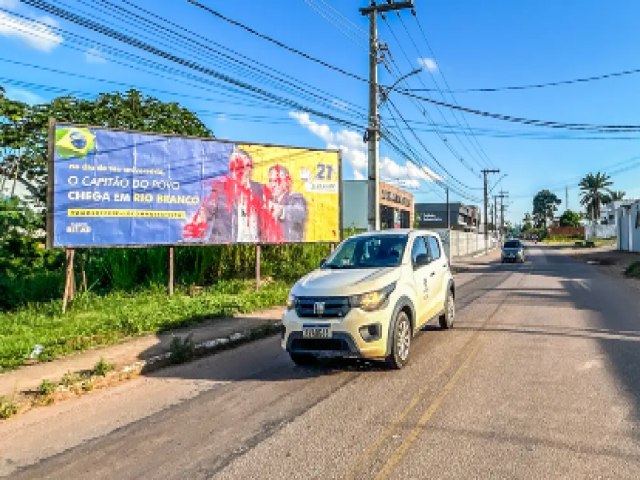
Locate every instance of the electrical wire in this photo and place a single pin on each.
(528, 121)
(97, 27)
(277, 42)
(425, 114)
(540, 85)
(479, 148)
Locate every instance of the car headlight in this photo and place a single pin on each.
(291, 301)
(372, 300)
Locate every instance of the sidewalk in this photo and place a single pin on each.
(143, 353)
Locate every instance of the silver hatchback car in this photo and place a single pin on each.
(513, 251)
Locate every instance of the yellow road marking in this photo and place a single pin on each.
(399, 454)
(354, 470)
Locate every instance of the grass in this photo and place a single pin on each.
(102, 320)
(633, 270)
(8, 408)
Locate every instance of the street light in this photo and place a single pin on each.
(497, 182)
(384, 91)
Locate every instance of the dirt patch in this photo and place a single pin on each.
(610, 261)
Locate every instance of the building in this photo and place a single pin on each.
(608, 211)
(628, 227)
(396, 206)
(434, 215)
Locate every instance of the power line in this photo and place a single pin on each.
(203, 49)
(528, 121)
(479, 148)
(448, 145)
(97, 27)
(540, 85)
(277, 42)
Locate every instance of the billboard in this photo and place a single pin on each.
(118, 188)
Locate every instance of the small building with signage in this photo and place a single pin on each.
(396, 206)
(434, 215)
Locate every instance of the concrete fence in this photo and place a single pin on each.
(600, 231)
(460, 244)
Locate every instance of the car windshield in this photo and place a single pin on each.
(369, 251)
(512, 244)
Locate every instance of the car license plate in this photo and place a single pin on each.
(316, 332)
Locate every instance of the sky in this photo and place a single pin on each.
(297, 75)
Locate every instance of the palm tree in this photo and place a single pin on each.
(619, 195)
(595, 191)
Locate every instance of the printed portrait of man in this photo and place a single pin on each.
(234, 208)
(288, 208)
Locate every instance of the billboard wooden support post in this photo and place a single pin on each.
(69, 281)
(257, 266)
(170, 271)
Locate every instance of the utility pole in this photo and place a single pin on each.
(373, 132)
(495, 212)
(502, 196)
(448, 211)
(485, 172)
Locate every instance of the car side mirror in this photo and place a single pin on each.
(322, 262)
(421, 260)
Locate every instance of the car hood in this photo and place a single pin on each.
(344, 282)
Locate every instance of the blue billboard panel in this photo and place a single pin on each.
(119, 188)
(116, 188)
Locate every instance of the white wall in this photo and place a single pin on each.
(461, 244)
(629, 228)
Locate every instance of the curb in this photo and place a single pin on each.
(61, 389)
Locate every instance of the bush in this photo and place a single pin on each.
(182, 349)
(46, 388)
(633, 270)
(102, 368)
(8, 408)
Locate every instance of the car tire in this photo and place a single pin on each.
(302, 359)
(400, 341)
(449, 314)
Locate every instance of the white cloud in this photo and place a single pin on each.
(94, 55)
(428, 64)
(354, 151)
(24, 96)
(38, 36)
(357, 175)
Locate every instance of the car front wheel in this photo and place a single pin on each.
(400, 342)
(447, 317)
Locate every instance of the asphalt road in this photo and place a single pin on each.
(540, 378)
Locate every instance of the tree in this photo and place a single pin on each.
(545, 204)
(12, 120)
(130, 110)
(595, 190)
(613, 197)
(570, 219)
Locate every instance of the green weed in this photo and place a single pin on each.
(46, 388)
(633, 270)
(102, 367)
(8, 408)
(182, 349)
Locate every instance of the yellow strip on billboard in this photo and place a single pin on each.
(301, 191)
